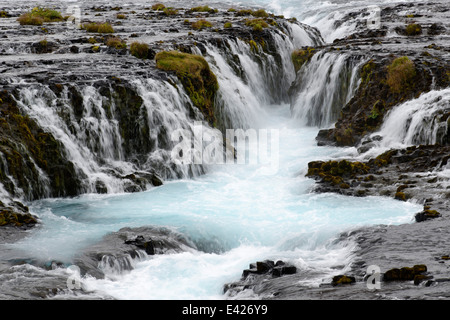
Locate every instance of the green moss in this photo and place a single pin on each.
(261, 13)
(400, 196)
(116, 43)
(228, 25)
(244, 12)
(95, 48)
(201, 24)
(202, 9)
(4, 14)
(28, 19)
(158, 7)
(367, 71)
(121, 16)
(401, 73)
(413, 29)
(195, 75)
(168, 11)
(139, 50)
(335, 172)
(342, 280)
(98, 27)
(39, 15)
(300, 57)
(253, 45)
(257, 24)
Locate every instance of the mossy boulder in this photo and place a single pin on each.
(427, 214)
(342, 280)
(196, 76)
(16, 214)
(405, 273)
(301, 56)
(336, 173)
(401, 73)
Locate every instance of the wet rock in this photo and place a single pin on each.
(342, 279)
(259, 272)
(118, 250)
(426, 215)
(17, 215)
(142, 243)
(405, 273)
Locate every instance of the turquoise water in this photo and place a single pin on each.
(237, 214)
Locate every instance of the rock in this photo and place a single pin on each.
(405, 273)
(118, 249)
(342, 279)
(426, 215)
(16, 214)
(258, 272)
(140, 242)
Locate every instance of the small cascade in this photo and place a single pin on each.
(425, 120)
(323, 87)
(113, 266)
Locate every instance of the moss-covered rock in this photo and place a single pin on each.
(301, 56)
(27, 149)
(342, 280)
(196, 76)
(405, 273)
(426, 215)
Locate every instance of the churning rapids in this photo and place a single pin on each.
(232, 214)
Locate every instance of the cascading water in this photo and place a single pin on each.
(233, 214)
(419, 121)
(323, 86)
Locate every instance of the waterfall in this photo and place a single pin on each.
(323, 87)
(424, 120)
(114, 131)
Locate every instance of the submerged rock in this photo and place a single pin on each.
(118, 251)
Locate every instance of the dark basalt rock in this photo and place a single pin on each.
(426, 215)
(16, 214)
(405, 273)
(342, 279)
(258, 272)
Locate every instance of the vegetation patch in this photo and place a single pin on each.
(158, 7)
(37, 16)
(413, 29)
(139, 50)
(121, 16)
(196, 76)
(300, 57)
(116, 43)
(168, 11)
(257, 24)
(201, 24)
(334, 172)
(228, 25)
(203, 9)
(401, 73)
(98, 27)
(261, 13)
